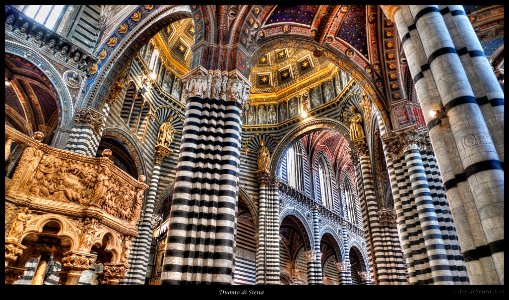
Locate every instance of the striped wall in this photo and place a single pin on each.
(85, 29)
(245, 251)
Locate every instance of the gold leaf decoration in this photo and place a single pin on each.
(102, 55)
(123, 28)
(136, 16)
(112, 41)
(93, 69)
(148, 7)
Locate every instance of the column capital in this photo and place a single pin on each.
(310, 256)
(216, 84)
(161, 152)
(12, 274)
(78, 260)
(400, 141)
(13, 249)
(390, 10)
(342, 266)
(364, 276)
(89, 117)
(360, 146)
(387, 217)
(114, 272)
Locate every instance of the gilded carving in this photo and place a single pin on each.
(102, 54)
(398, 142)
(126, 247)
(123, 28)
(93, 69)
(112, 41)
(136, 16)
(166, 133)
(263, 158)
(355, 119)
(390, 11)
(13, 249)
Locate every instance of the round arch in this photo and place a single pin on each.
(339, 242)
(64, 96)
(302, 219)
(132, 146)
(356, 247)
(98, 84)
(300, 130)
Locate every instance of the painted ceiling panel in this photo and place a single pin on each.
(353, 29)
(302, 14)
(11, 99)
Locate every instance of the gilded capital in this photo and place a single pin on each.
(77, 260)
(390, 10)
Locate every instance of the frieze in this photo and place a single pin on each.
(65, 52)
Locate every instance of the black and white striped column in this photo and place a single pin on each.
(483, 168)
(200, 242)
(86, 134)
(435, 250)
(267, 254)
(459, 195)
(140, 252)
(372, 226)
(344, 267)
(484, 83)
(87, 131)
(315, 274)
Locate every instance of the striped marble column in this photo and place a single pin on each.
(437, 255)
(372, 227)
(140, 252)
(261, 250)
(85, 135)
(459, 195)
(484, 83)
(272, 260)
(86, 132)
(483, 169)
(200, 242)
(315, 276)
(345, 275)
(267, 254)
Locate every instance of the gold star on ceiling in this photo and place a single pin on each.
(285, 74)
(263, 60)
(192, 29)
(264, 79)
(281, 54)
(181, 48)
(305, 64)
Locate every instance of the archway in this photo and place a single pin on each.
(294, 242)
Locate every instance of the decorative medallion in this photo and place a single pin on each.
(123, 28)
(136, 16)
(349, 52)
(148, 7)
(72, 79)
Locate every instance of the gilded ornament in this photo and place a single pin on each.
(263, 158)
(93, 69)
(136, 16)
(148, 7)
(123, 28)
(102, 55)
(112, 41)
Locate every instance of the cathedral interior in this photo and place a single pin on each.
(254, 144)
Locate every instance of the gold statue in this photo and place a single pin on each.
(263, 157)
(356, 131)
(166, 132)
